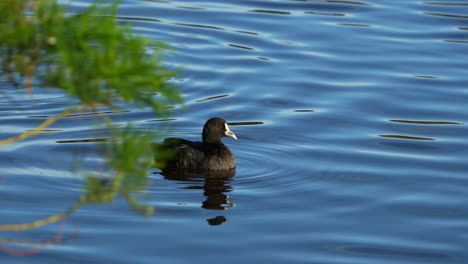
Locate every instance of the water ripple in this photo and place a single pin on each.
(406, 137)
(350, 117)
(212, 98)
(273, 12)
(260, 172)
(420, 122)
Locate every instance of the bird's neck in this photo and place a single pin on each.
(214, 142)
(210, 139)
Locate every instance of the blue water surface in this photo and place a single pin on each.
(351, 118)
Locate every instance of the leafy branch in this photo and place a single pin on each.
(93, 58)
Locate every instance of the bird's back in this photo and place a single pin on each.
(196, 155)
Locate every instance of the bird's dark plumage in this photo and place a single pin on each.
(208, 155)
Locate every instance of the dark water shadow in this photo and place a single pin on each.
(273, 12)
(353, 25)
(211, 98)
(406, 137)
(446, 15)
(324, 13)
(198, 26)
(347, 2)
(425, 76)
(215, 185)
(240, 47)
(84, 140)
(425, 122)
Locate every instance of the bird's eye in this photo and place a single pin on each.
(221, 127)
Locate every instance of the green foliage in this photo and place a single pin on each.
(88, 55)
(93, 58)
(130, 155)
(126, 154)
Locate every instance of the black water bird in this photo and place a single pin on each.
(209, 155)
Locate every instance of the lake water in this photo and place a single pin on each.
(352, 125)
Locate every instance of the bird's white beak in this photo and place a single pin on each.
(228, 132)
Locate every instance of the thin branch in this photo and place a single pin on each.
(34, 247)
(45, 221)
(38, 129)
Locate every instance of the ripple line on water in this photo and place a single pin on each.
(421, 122)
(240, 47)
(86, 140)
(261, 172)
(198, 26)
(348, 2)
(274, 12)
(446, 4)
(247, 32)
(84, 114)
(161, 120)
(246, 123)
(191, 7)
(446, 15)
(406, 137)
(456, 41)
(133, 18)
(212, 98)
(304, 111)
(354, 25)
(426, 76)
(324, 14)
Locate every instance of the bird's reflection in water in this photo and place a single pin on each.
(215, 185)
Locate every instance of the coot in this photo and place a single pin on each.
(209, 155)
